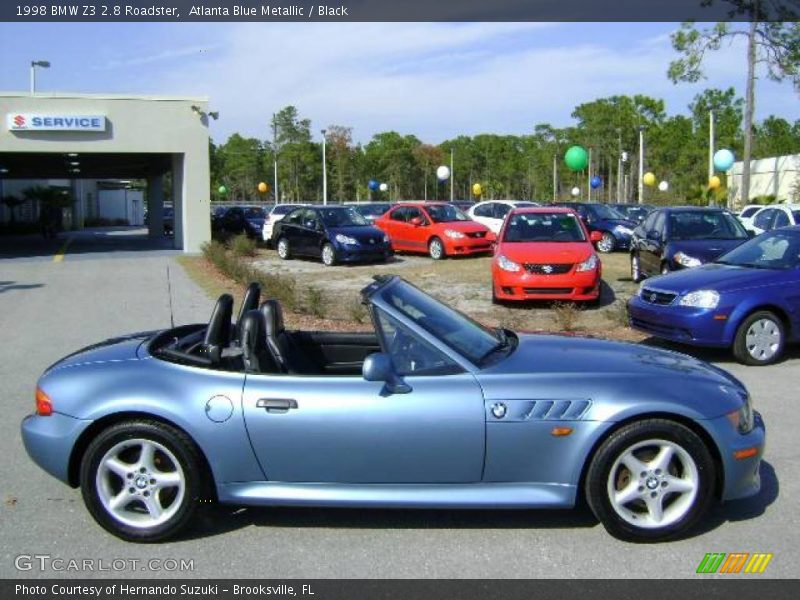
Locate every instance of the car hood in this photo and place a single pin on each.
(546, 252)
(722, 278)
(111, 350)
(705, 250)
(611, 223)
(564, 356)
(363, 233)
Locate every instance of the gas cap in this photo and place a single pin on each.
(498, 410)
(219, 409)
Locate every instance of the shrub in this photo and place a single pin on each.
(356, 311)
(317, 303)
(567, 314)
(241, 245)
(618, 312)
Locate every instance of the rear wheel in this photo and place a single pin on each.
(436, 249)
(759, 339)
(283, 249)
(606, 243)
(328, 255)
(651, 481)
(141, 480)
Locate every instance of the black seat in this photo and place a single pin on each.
(218, 332)
(250, 302)
(255, 354)
(280, 344)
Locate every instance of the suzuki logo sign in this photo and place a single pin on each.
(38, 122)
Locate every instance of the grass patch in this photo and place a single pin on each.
(242, 245)
(567, 315)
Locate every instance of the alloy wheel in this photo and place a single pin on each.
(763, 339)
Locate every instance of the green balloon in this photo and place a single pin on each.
(576, 158)
(222, 190)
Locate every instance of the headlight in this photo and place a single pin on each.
(452, 233)
(508, 265)
(385, 239)
(590, 264)
(686, 260)
(743, 419)
(346, 239)
(701, 299)
(622, 230)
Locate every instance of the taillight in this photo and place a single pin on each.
(44, 407)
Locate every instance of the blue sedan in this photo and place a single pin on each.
(747, 300)
(430, 409)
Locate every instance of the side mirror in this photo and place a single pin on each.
(379, 367)
(595, 236)
(751, 234)
(416, 221)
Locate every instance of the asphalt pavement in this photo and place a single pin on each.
(54, 300)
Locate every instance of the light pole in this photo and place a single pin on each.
(710, 144)
(555, 178)
(45, 64)
(275, 156)
(641, 164)
(452, 176)
(324, 172)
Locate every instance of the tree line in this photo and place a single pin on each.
(506, 166)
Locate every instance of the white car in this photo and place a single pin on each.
(774, 216)
(746, 215)
(273, 216)
(492, 212)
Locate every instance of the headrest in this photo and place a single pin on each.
(218, 333)
(273, 317)
(253, 338)
(250, 302)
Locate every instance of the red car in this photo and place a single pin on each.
(437, 228)
(545, 254)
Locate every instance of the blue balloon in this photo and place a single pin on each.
(723, 159)
(596, 182)
(373, 185)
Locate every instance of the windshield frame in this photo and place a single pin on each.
(569, 215)
(737, 225)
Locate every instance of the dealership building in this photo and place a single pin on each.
(93, 145)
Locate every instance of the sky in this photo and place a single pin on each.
(433, 80)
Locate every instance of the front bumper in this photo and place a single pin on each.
(584, 286)
(49, 441)
(363, 253)
(695, 326)
(741, 477)
(467, 245)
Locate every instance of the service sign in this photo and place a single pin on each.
(54, 122)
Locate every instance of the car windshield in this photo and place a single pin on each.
(543, 227)
(779, 249)
(372, 210)
(283, 209)
(343, 216)
(749, 212)
(464, 335)
(601, 211)
(796, 215)
(254, 212)
(705, 225)
(445, 213)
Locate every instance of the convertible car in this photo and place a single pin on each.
(432, 409)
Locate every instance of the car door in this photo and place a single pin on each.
(418, 234)
(782, 218)
(484, 214)
(652, 244)
(329, 429)
(764, 219)
(394, 225)
(500, 212)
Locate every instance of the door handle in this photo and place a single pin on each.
(276, 404)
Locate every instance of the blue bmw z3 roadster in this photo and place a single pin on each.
(431, 409)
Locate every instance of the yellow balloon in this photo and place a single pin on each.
(477, 190)
(649, 179)
(714, 182)
(263, 187)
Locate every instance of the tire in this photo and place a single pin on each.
(110, 469)
(626, 483)
(436, 249)
(328, 255)
(606, 243)
(283, 249)
(760, 339)
(636, 268)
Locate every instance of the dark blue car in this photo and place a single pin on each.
(677, 237)
(336, 234)
(747, 300)
(615, 229)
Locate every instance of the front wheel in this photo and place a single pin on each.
(328, 255)
(759, 339)
(283, 249)
(651, 481)
(436, 249)
(606, 243)
(140, 480)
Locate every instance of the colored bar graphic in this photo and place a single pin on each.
(723, 563)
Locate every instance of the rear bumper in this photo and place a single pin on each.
(695, 326)
(578, 287)
(49, 441)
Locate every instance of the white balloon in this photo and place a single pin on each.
(576, 191)
(663, 186)
(384, 187)
(443, 173)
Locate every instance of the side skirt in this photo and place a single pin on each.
(385, 495)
